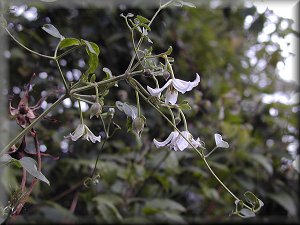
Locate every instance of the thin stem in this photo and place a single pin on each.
(139, 86)
(201, 155)
(97, 159)
(28, 128)
(172, 115)
(208, 154)
(79, 108)
(103, 82)
(28, 49)
(169, 66)
(23, 183)
(184, 119)
(167, 119)
(62, 76)
(217, 178)
(68, 51)
(138, 102)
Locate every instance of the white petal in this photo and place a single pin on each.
(130, 111)
(296, 163)
(181, 142)
(219, 142)
(164, 143)
(79, 131)
(181, 85)
(196, 143)
(157, 91)
(171, 96)
(194, 83)
(90, 136)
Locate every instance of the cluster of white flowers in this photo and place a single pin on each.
(174, 85)
(176, 140)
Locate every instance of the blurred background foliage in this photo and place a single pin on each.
(139, 183)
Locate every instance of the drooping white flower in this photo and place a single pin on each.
(296, 163)
(176, 142)
(174, 85)
(84, 132)
(129, 110)
(220, 142)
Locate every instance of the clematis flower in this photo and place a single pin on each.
(296, 163)
(220, 142)
(84, 132)
(129, 110)
(173, 86)
(176, 142)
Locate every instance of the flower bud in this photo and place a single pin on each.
(96, 110)
(138, 125)
(111, 112)
(147, 73)
(166, 75)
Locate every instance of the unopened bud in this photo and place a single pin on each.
(111, 112)
(96, 110)
(138, 125)
(177, 120)
(147, 73)
(166, 75)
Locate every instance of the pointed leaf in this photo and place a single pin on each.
(169, 51)
(50, 29)
(29, 165)
(142, 19)
(68, 42)
(188, 4)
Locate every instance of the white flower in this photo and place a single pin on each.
(176, 142)
(84, 132)
(296, 163)
(174, 85)
(219, 142)
(129, 110)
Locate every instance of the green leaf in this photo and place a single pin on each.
(158, 204)
(29, 165)
(169, 51)
(183, 3)
(142, 19)
(286, 201)
(68, 42)
(188, 4)
(106, 206)
(3, 21)
(93, 78)
(263, 161)
(50, 29)
(93, 51)
(146, 26)
(184, 106)
(92, 47)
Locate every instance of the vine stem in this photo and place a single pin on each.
(27, 129)
(28, 49)
(103, 82)
(200, 154)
